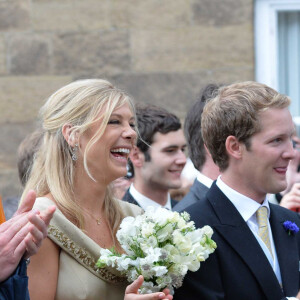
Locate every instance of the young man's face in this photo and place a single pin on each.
(167, 159)
(264, 165)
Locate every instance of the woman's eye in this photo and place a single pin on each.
(132, 125)
(113, 122)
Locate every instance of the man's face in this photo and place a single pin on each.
(264, 165)
(167, 159)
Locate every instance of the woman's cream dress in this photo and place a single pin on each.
(79, 277)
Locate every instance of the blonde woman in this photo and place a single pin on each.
(89, 131)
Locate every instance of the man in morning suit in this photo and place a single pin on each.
(157, 159)
(247, 128)
(198, 154)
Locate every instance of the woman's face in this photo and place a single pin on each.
(107, 158)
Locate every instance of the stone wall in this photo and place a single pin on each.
(161, 51)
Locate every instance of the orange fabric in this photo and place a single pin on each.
(2, 215)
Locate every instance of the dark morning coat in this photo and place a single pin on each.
(197, 192)
(239, 269)
(128, 198)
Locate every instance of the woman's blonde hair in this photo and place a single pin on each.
(78, 104)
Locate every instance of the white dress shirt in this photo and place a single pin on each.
(144, 201)
(204, 180)
(247, 208)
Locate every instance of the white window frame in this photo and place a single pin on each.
(266, 34)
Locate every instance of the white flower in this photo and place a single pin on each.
(160, 270)
(165, 232)
(147, 229)
(162, 246)
(123, 263)
(207, 230)
(183, 243)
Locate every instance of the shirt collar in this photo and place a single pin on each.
(144, 201)
(204, 180)
(246, 206)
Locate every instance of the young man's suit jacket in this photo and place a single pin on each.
(128, 198)
(239, 269)
(197, 192)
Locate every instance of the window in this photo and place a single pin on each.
(277, 48)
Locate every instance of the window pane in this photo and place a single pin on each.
(288, 55)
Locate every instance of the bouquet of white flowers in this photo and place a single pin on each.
(162, 246)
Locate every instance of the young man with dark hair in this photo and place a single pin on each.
(157, 159)
(198, 154)
(248, 130)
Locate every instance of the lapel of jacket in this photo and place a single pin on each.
(286, 249)
(128, 198)
(173, 203)
(232, 227)
(199, 189)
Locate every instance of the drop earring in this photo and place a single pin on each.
(74, 152)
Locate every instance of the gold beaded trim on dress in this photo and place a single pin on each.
(83, 256)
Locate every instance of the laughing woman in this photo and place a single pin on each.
(89, 130)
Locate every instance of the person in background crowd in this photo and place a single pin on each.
(248, 130)
(89, 131)
(26, 151)
(20, 238)
(199, 155)
(157, 159)
(290, 197)
(121, 185)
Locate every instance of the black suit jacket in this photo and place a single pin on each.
(128, 198)
(197, 192)
(239, 269)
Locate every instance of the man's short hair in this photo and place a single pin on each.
(192, 126)
(26, 152)
(150, 120)
(235, 111)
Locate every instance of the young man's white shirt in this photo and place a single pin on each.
(204, 180)
(144, 201)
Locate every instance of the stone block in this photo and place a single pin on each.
(22, 97)
(14, 15)
(70, 15)
(150, 14)
(29, 54)
(12, 134)
(191, 49)
(9, 183)
(222, 13)
(91, 53)
(177, 92)
(3, 69)
(174, 92)
(232, 74)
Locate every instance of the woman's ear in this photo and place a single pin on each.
(69, 135)
(233, 147)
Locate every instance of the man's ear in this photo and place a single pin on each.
(69, 135)
(233, 147)
(137, 157)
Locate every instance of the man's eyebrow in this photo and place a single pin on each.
(174, 146)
